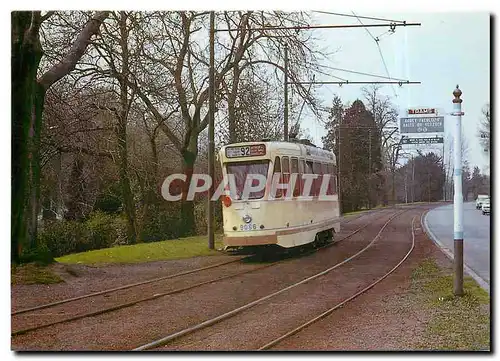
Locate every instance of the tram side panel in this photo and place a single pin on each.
(287, 223)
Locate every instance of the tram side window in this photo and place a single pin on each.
(309, 170)
(317, 181)
(324, 170)
(285, 168)
(277, 169)
(300, 179)
(334, 180)
(295, 170)
(331, 188)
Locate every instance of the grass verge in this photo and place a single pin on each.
(146, 252)
(456, 323)
(31, 273)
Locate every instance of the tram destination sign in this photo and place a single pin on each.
(422, 125)
(433, 140)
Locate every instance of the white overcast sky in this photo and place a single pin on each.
(446, 50)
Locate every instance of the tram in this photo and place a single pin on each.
(285, 215)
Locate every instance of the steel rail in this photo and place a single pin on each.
(124, 287)
(175, 291)
(67, 300)
(329, 311)
(227, 315)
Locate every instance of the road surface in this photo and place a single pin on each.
(476, 235)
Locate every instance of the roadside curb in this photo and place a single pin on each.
(449, 253)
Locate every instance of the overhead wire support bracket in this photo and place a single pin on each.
(394, 25)
(400, 83)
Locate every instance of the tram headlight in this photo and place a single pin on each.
(247, 218)
(226, 200)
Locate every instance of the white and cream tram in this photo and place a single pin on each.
(279, 218)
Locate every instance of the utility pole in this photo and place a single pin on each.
(428, 187)
(406, 190)
(458, 231)
(338, 168)
(370, 168)
(412, 179)
(444, 172)
(211, 141)
(285, 131)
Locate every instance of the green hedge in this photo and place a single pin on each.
(100, 230)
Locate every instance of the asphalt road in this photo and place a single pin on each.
(476, 235)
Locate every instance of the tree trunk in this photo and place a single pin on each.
(128, 198)
(76, 190)
(27, 98)
(27, 102)
(189, 155)
(231, 106)
(393, 196)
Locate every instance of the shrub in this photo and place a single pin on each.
(63, 237)
(100, 230)
(159, 225)
(104, 230)
(41, 255)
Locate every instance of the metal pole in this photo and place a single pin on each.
(285, 132)
(412, 179)
(369, 168)
(406, 180)
(429, 187)
(339, 184)
(444, 172)
(458, 232)
(211, 142)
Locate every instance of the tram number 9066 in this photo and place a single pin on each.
(248, 227)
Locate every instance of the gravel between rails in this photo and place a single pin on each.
(272, 318)
(124, 329)
(378, 320)
(81, 280)
(111, 300)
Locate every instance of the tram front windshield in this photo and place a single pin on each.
(241, 170)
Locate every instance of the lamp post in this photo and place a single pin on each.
(458, 201)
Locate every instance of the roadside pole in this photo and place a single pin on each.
(211, 141)
(285, 120)
(458, 232)
(444, 171)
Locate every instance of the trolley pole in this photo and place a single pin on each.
(211, 142)
(458, 232)
(285, 120)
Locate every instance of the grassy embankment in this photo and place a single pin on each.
(143, 252)
(456, 323)
(147, 252)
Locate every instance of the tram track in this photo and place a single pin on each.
(227, 315)
(157, 295)
(329, 311)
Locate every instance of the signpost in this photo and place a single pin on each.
(422, 125)
(458, 201)
(433, 140)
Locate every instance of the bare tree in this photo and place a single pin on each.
(484, 128)
(28, 97)
(173, 47)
